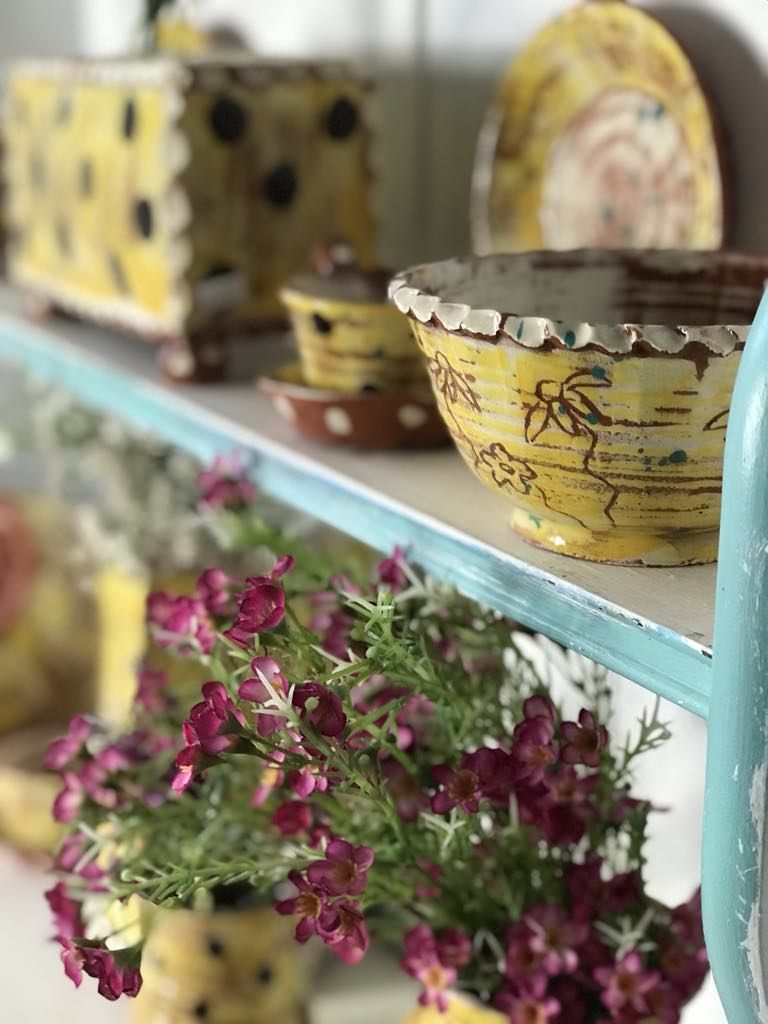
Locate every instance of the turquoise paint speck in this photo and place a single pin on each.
(535, 520)
(659, 111)
(519, 331)
(570, 339)
(562, 410)
(640, 451)
(663, 462)
(379, 353)
(678, 456)
(598, 373)
(593, 418)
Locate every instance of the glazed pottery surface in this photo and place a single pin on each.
(349, 338)
(591, 389)
(226, 967)
(600, 135)
(407, 418)
(460, 1011)
(175, 196)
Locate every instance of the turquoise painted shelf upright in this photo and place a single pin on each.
(654, 626)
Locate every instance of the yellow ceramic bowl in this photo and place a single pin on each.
(592, 389)
(349, 338)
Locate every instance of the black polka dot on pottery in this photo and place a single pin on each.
(264, 974)
(142, 214)
(215, 947)
(117, 272)
(200, 1011)
(369, 389)
(228, 120)
(63, 239)
(322, 326)
(129, 119)
(86, 179)
(280, 185)
(342, 119)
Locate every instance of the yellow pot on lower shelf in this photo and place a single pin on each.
(224, 967)
(460, 1011)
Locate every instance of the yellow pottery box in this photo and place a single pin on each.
(173, 197)
(592, 389)
(225, 967)
(349, 337)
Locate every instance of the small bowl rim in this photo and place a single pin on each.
(494, 326)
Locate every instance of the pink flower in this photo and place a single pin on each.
(206, 732)
(524, 965)
(683, 968)
(86, 781)
(556, 938)
(63, 751)
(390, 574)
(686, 920)
(257, 691)
(223, 484)
(311, 905)
(261, 606)
(70, 856)
(539, 707)
(486, 773)
(421, 961)
(180, 622)
(586, 888)
(292, 817)
(66, 912)
(344, 870)
(346, 936)
(113, 980)
(322, 707)
(214, 590)
(410, 799)
(585, 742)
(152, 694)
(532, 747)
(664, 1003)
(625, 984)
(453, 948)
(522, 1008)
(623, 891)
(307, 781)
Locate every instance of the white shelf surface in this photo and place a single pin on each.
(652, 625)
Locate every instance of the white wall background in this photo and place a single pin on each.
(438, 61)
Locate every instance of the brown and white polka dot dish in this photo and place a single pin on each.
(403, 419)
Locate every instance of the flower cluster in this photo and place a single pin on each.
(379, 757)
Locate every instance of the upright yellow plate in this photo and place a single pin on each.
(600, 136)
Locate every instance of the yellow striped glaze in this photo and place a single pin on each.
(609, 458)
(369, 344)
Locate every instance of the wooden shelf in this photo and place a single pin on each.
(652, 625)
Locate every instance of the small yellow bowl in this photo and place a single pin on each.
(349, 338)
(592, 389)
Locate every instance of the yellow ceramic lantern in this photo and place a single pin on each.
(225, 967)
(349, 338)
(173, 197)
(592, 389)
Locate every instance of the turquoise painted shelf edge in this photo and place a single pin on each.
(735, 853)
(656, 657)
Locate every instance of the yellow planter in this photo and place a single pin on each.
(349, 338)
(460, 1011)
(605, 436)
(226, 967)
(173, 197)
